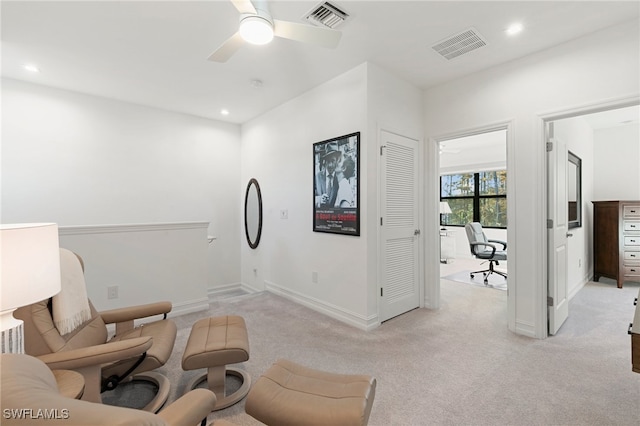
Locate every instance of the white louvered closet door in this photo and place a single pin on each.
(399, 224)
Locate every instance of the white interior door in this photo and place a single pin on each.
(557, 231)
(399, 222)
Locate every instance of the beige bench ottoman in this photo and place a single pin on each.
(290, 394)
(213, 343)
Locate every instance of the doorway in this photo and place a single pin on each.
(605, 141)
(473, 188)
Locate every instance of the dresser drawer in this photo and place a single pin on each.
(631, 211)
(632, 257)
(631, 271)
(631, 240)
(631, 225)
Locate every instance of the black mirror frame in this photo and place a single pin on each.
(574, 159)
(253, 244)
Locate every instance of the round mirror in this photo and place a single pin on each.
(253, 213)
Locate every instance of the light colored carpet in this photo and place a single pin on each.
(493, 280)
(458, 365)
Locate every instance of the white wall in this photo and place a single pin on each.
(578, 136)
(617, 174)
(76, 159)
(596, 68)
(277, 151)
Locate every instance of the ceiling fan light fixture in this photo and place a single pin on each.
(256, 30)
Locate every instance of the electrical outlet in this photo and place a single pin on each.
(284, 214)
(314, 277)
(112, 292)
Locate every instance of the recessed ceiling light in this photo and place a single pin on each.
(224, 111)
(514, 28)
(31, 68)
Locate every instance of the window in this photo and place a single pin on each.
(475, 197)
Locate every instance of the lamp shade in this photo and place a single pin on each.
(444, 207)
(30, 262)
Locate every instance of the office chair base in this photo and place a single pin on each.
(487, 272)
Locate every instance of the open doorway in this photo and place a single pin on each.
(605, 141)
(473, 188)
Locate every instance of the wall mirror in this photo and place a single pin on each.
(574, 194)
(253, 213)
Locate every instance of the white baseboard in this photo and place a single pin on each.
(218, 292)
(340, 314)
(526, 329)
(189, 307)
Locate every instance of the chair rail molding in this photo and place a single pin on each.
(135, 227)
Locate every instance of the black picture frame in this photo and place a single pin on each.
(336, 207)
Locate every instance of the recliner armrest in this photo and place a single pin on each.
(96, 355)
(189, 409)
(504, 244)
(131, 313)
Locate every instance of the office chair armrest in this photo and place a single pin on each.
(189, 409)
(483, 255)
(504, 244)
(96, 355)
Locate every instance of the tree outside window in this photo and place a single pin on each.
(475, 197)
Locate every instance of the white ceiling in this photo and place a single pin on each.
(155, 52)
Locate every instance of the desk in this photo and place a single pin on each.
(447, 245)
(70, 383)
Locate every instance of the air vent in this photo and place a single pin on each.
(326, 15)
(460, 44)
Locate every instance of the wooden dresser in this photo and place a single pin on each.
(616, 240)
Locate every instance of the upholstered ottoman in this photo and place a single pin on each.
(213, 343)
(290, 394)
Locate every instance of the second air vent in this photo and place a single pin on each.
(326, 15)
(459, 44)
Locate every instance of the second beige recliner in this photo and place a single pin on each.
(102, 361)
(30, 397)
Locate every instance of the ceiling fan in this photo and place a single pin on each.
(258, 27)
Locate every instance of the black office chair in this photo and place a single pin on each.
(483, 248)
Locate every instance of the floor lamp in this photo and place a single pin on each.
(30, 262)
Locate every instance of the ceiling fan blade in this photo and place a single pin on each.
(228, 48)
(324, 37)
(244, 6)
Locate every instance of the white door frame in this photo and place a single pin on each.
(432, 227)
(542, 121)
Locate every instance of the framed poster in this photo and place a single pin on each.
(336, 185)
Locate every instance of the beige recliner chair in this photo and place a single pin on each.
(30, 396)
(129, 355)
